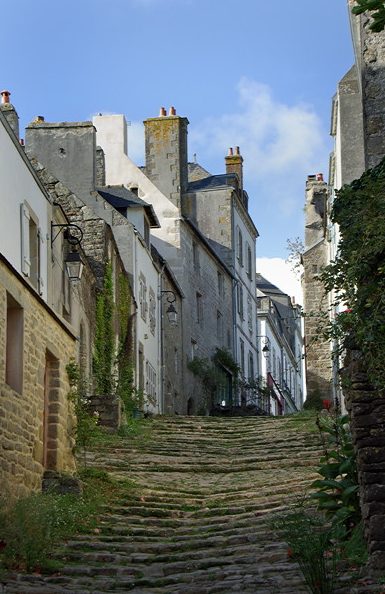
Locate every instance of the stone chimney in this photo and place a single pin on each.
(234, 164)
(166, 154)
(10, 112)
(315, 213)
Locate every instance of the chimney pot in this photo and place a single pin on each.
(237, 150)
(171, 111)
(230, 153)
(5, 96)
(21, 142)
(162, 111)
(320, 177)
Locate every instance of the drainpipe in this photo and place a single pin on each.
(135, 276)
(161, 341)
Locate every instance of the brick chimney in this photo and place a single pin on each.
(166, 154)
(234, 164)
(9, 112)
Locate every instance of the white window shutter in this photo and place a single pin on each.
(25, 256)
(40, 240)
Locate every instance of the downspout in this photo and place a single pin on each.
(235, 296)
(161, 342)
(135, 276)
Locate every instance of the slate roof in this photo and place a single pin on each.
(196, 172)
(213, 181)
(267, 287)
(121, 197)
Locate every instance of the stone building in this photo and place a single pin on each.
(359, 132)
(319, 366)
(219, 206)
(69, 153)
(36, 341)
(358, 126)
(206, 314)
(281, 346)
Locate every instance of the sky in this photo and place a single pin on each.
(250, 73)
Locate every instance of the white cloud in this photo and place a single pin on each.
(278, 272)
(278, 142)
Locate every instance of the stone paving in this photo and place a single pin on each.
(198, 521)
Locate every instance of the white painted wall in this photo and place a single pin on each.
(18, 185)
(144, 268)
(111, 136)
(249, 290)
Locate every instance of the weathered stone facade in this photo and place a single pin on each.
(316, 305)
(37, 419)
(367, 412)
(369, 51)
(166, 168)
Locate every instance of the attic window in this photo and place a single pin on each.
(135, 190)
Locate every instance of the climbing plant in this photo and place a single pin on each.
(357, 275)
(104, 352)
(376, 9)
(86, 429)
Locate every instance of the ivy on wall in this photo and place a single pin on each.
(104, 352)
(358, 273)
(376, 9)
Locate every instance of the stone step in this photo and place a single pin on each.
(198, 519)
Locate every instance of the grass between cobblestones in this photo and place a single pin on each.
(31, 526)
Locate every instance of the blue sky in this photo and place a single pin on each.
(252, 73)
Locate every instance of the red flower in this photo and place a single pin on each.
(290, 553)
(327, 404)
(348, 311)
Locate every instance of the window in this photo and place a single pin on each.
(242, 355)
(250, 313)
(30, 247)
(220, 284)
(14, 345)
(194, 349)
(146, 232)
(143, 297)
(152, 310)
(249, 263)
(240, 300)
(219, 325)
(151, 383)
(239, 246)
(251, 366)
(199, 307)
(176, 359)
(195, 253)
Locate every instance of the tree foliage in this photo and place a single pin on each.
(357, 275)
(376, 9)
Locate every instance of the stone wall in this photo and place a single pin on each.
(200, 328)
(318, 350)
(36, 421)
(373, 92)
(367, 412)
(316, 305)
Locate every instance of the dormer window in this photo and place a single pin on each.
(146, 232)
(135, 190)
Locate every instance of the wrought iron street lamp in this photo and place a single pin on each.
(170, 311)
